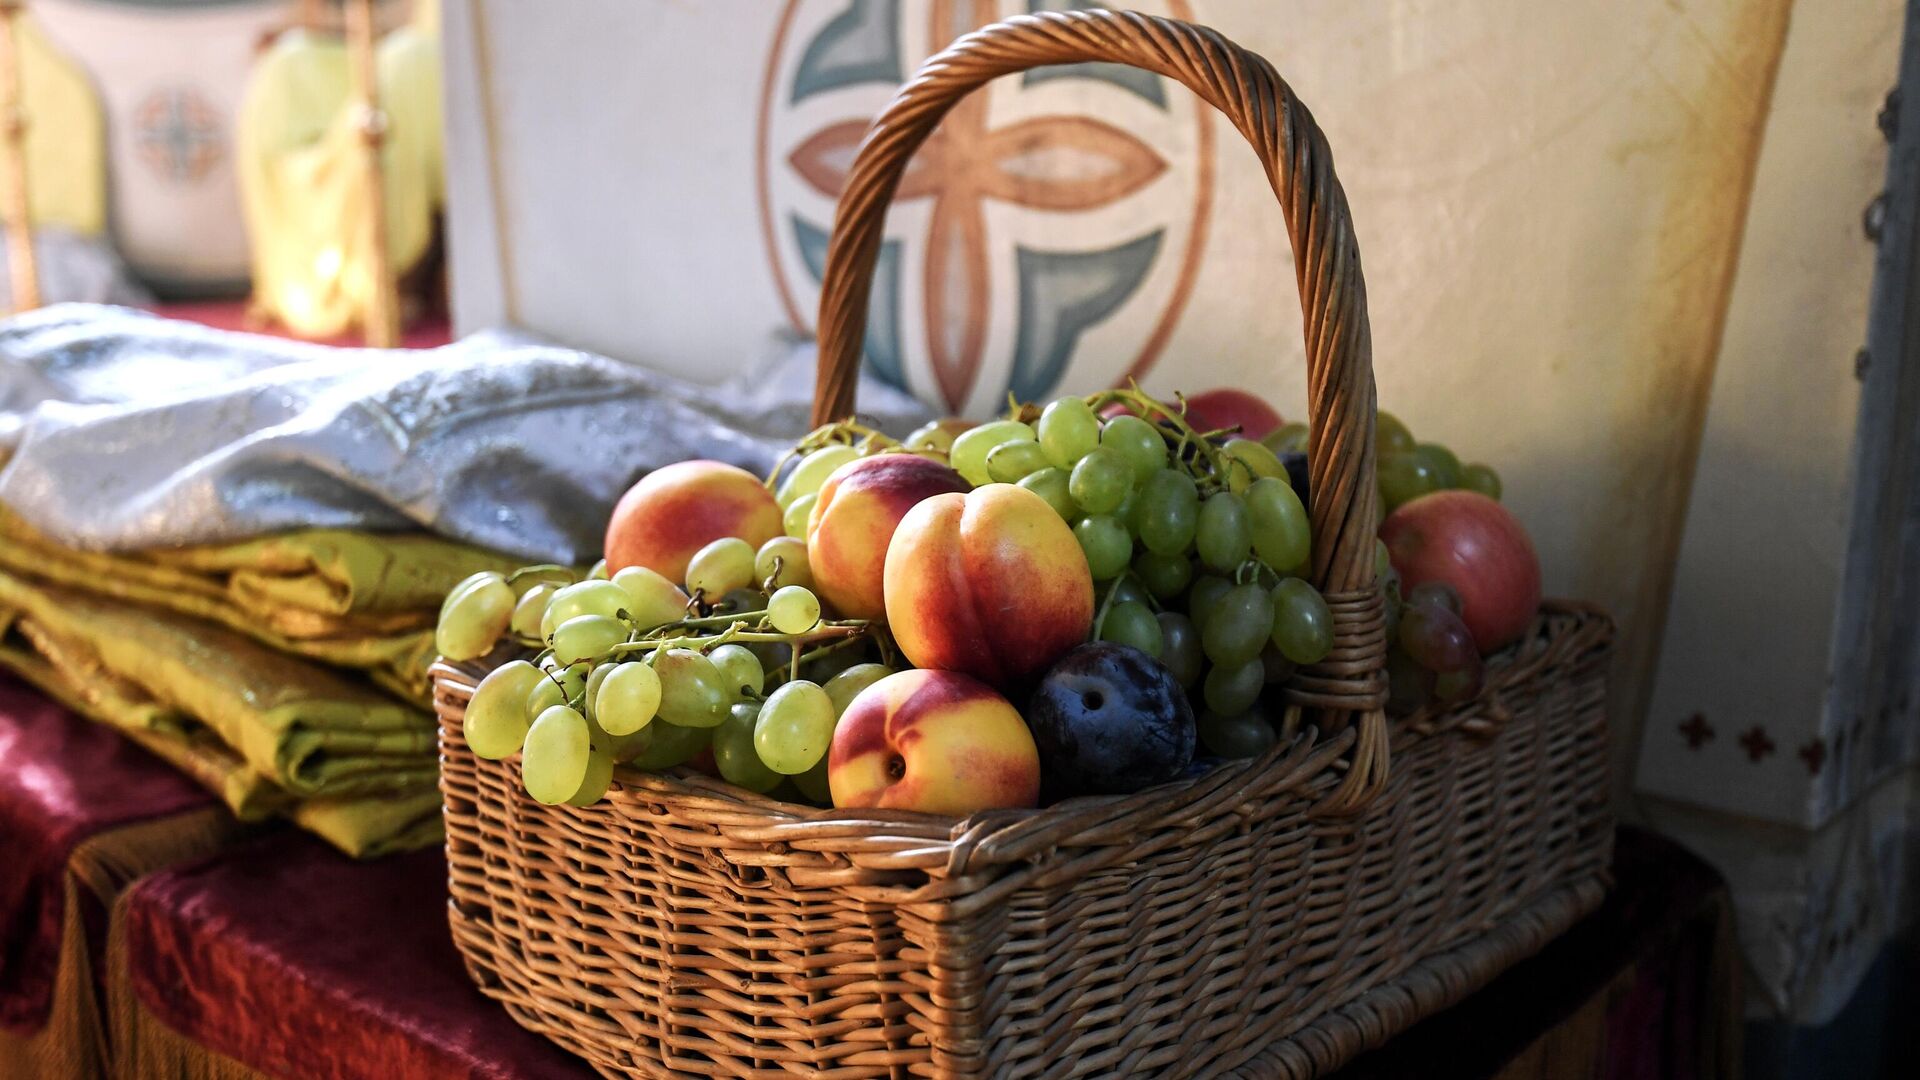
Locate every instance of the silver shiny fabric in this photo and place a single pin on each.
(128, 431)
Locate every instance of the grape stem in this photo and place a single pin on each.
(823, 632)
(541, 568)
(846, 432)
(1135, 398)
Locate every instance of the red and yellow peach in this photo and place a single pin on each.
(675, 511)
(935, 741)
(853, 523)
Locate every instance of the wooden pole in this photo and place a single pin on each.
(23, 268)
(382, 322)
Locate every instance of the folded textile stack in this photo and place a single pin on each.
(233, 549)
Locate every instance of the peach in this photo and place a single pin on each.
(934, 741)
(675, 511)
(851, 526)
(990, 583)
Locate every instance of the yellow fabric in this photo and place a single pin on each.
(298, 148)
(66, 136)
(349, 599)
(268, 733)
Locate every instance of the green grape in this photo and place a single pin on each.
(496, 720)
(971, 447)
(1052, 485)
(594, 678)
(1287, 438)
(1069, 429)
(782, 561)
(628, 698)
(814, 784)
(935, 436)
(1276, 519)
(652, 600)
(468, 583)
(795, 727)
(822, 669)
(1302, 623)
(740, 668)
(1278, 668)
(1106, 544)
(593, 787)
(475, 615)
(1480, 478)
(554, 761)
(1010, 461)
(1390, 436)
(1238, 626)
(1180, 648)
(531, 608)
(1165, 576)
(1221, 537)
(1099, 481)
(1404, 478)
(1205, 593)
(593, 597)
(587, 637)
(720, 567)
(1166, 512)
(1453, 687)
(1247, 735)
(797, 520)
(1409, 685)
(1132, 623)
(598, 572)
(1248, 461)
(668, 746)
(734, 754)
(846, 686)
(692, 691)
(1125, 589)
(1138, 443)
(1446, 467)
(793, 610)
(544, 695)
(812, 470)
(1231, 691)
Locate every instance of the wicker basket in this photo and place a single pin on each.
(1275, 916)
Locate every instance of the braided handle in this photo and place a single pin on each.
(1333, 300)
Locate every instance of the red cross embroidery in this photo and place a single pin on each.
(1756, 743)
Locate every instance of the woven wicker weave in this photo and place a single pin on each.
(1275, 916)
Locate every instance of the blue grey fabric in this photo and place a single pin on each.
(122, 431)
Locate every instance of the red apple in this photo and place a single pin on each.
(1475, 545)
(1225, 407)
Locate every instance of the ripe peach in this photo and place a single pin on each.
(853, 522)
(935, 741)
(675, 511)
(990, 583)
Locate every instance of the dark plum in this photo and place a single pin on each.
(1110, 720)
(1296, 463)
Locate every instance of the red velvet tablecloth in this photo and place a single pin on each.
(63, 780)
(288, 960)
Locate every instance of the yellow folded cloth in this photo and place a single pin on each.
(269, 733)
(356, 600)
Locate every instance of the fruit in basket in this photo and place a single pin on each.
(936, 436)
(720, 567)
(496, 718)
(652, 600)
(1477, 546)
(1242, 735)
(1302, 623)
(991, 583)
(1225, 407)
(812, 470)
(795, 727)
(853, 523)
(475, 614)
(675, 511)
(586, 637)
(734, 753)
(668, 745)
(693, 693)
(554, 760)
(592, 597)
(627, 699)
(971, 447)
(782, 561)
(935, 741)
(1132, 623)
(1110, 720)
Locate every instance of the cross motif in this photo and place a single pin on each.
(1815, 755)
(179, 134)
(1056, 163)
(1756, 743)
(1697, 731)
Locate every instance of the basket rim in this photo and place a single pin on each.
(936, 856)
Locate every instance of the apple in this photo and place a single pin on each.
(1475, 545)
(991, 583)
(860, 505)
(934, 741)
(675, 511)
(1225, 407)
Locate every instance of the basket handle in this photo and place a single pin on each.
(1340, 395)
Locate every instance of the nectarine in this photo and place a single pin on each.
(935, 741)
(853, 522)
(675, 511)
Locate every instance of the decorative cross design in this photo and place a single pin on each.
(1756, 743)
(179, 134)
(1697, 731)
(1054, 163)
(1814, 754)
